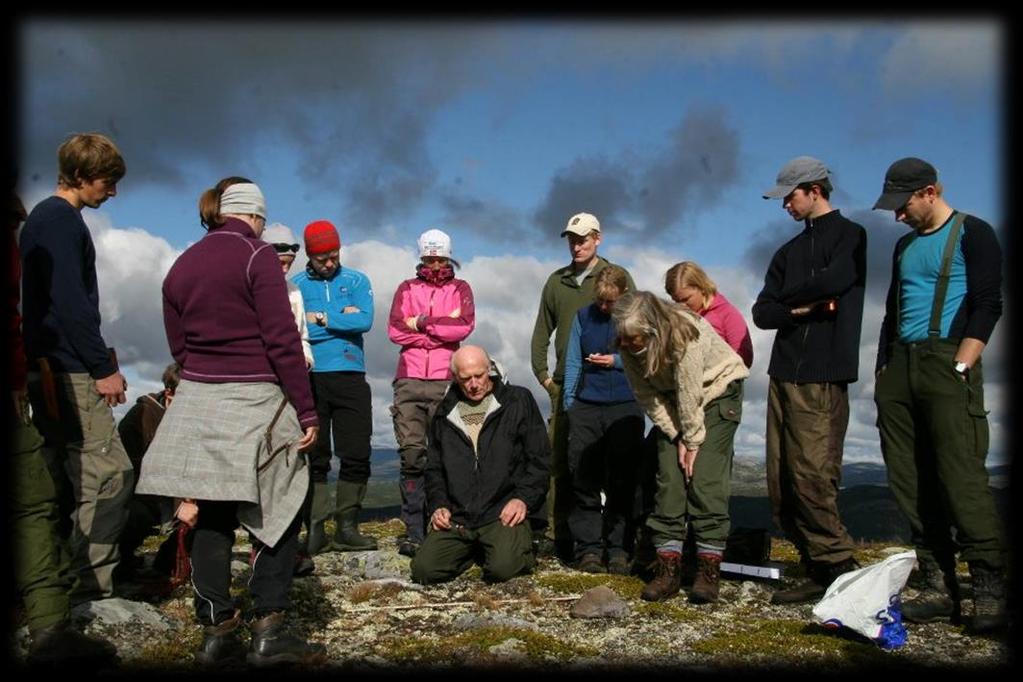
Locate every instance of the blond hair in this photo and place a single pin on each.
(666, 329)
(612, 277)
(689, 274)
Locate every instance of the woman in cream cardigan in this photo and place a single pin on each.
(689, 382)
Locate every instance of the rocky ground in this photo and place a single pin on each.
(371, 618)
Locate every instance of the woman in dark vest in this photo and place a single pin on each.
(605, 427)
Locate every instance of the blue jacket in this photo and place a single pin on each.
(593, 332)
(337, 346)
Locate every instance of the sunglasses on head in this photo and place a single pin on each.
(285, 248)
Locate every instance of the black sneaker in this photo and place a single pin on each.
(407, 547)
(543, 546)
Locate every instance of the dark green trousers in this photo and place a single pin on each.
(806, 425)
(503, 552)
(42, 568)
(934, 437)
(705, 500)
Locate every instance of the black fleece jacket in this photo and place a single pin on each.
(828, 259)
(514, 459)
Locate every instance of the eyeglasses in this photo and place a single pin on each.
(285, 248)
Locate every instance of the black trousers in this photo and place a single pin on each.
(344, 406)
(605, 443)
(210, 554)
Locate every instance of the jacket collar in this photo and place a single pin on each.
(569, 274)
(316, 276)
(237, 226)
(828, 218)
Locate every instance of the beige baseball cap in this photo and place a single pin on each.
(582, 224)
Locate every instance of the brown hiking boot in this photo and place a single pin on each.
(668, 580)
(708, 579)
(591, 563)
(936, 600)
(272, 643)
(221, 643)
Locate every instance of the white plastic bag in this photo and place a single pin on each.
(867, 600)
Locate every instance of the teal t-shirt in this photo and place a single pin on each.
(919, 266)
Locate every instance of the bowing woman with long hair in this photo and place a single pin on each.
(230, 444)
(689, 382)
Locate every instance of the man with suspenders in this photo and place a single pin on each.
(943, 303)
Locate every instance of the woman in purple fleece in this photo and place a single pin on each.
(230, 443)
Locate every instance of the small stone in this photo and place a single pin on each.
(117, 611)
(599, 602)
(509, 649)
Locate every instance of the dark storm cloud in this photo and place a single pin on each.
(357, 100)
(596, 186)
(470, 215)
(700, 162)
(648, 196)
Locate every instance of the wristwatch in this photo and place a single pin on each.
(962, 368)
(319, 319)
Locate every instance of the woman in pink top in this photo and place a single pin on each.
(687, 283)
(432, 313)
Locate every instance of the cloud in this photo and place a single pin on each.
(960, 57)
(500, 223)
(356, 99)
(131, 265)
(645, 197)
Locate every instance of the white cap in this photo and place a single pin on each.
(582, 224)
(434, 243)
(279, 234)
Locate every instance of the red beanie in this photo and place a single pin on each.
(321, 237)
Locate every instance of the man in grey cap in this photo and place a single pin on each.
(566, 291)
(813, 297)
(943, 302)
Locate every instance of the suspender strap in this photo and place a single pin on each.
(941, 287)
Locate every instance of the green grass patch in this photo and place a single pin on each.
(673, 609)
(176, 650)
(383, 529)
(794, 642)
(473, 647)
(628, 587)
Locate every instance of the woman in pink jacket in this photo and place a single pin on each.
(432, 313)
(687, 283)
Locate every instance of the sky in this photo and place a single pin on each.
(497, 132)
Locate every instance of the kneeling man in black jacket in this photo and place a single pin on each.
(488, 467)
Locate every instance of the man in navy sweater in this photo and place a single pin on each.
(73, 379)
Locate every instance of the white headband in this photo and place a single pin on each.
(243, 199)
